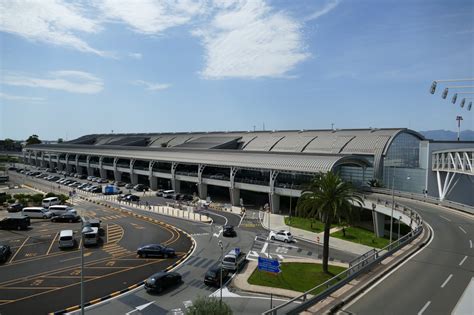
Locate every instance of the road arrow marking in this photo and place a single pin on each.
(140, 308)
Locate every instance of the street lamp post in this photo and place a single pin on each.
(399, 219)
(222, 257)
(393, 204)
(84, 230)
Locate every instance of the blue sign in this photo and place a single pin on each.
(237, 251)
(268, 264)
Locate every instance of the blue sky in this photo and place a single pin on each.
(74, 68)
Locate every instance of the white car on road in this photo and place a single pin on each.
(282, 235)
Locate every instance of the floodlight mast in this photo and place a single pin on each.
(435, 83)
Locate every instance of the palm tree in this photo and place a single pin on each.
(331, 199)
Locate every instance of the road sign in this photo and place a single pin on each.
(237, 251)
(267, 264)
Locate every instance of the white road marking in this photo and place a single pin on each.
(280, 257)
(424, 307)
(445, 218)
(264, 248)
(470, 243)
(446, 281)
(140, 308)
(463, 260)
(391, 272)
(462, 230)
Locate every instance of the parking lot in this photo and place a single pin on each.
(40, 276)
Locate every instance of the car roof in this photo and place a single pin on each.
(161, 274)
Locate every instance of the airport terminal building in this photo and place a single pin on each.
(255, 167)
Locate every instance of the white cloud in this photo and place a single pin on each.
(50, 21)
(135, 55)
(151, 16)
(152, 86)
(65, 80)
(249, 40)
(21, 98)
(324, 10)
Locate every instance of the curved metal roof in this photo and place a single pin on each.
(345, 141)
(227, 158)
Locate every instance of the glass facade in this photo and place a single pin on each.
(402, 167)
(357, 175)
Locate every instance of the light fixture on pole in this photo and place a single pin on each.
(86, 228)
(446, 89)
(435, 83)
(459, 118)
(222, 258)
(393, 203)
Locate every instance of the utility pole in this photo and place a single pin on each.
(459, 118)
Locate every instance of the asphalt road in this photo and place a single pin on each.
(41, 278)
(433, 281)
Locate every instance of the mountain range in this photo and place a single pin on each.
(448, 135)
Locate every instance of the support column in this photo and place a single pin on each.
(202, 189)
(235, 196)
(153, 180)
(275, 203)
(43, 161)
(117, 173)
(60, 165)
(79, 169)
(133, 176)
(379, 223)
(102, 171)
(274, 198)
(90, 171)
(175, 184)
(50, 159)
(68, 166)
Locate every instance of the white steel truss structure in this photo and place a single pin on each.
(454, 163)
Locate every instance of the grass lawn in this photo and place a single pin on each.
(295, 276)
(305, 224)
(362, 236)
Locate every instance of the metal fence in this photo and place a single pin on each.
(365, 262)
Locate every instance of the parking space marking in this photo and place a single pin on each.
(18, 250)
(52, 242)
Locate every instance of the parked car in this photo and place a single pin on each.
(36, 212)
(213, 276)
(140, 187)
(188, 197)
(15, 207)
(5, 252)
(155, 250)
(82, 176)
(119, 183)
(102, 181)
(129, 186)
(282, 235)
(96, 190)
(162, 280)
(228, 231)
(159, 193)
(60, 209)
(90, 177)
(16, 223)
(66, 217)
(132, 198)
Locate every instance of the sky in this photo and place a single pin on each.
(70, 68)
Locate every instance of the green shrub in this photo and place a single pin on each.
(208, 306)
(5, 197)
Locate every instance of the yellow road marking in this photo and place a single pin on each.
(18, 250)
(52, 242)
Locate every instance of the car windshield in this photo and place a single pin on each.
(229, 259)
(211, 274)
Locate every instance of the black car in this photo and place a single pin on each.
(140, 187)
(156, 250)
(5, 252)
(134, 198)
(15, 207)
(96, 190)
(66, 217)
(188, 197)
(213, 276)
(162, 280)
(228, 231)
(17, 223)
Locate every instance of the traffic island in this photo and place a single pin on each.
(296, 276)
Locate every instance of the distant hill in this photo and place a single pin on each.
(447, 135)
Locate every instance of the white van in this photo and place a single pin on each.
(168, 193)
(51, 201)
(36, 213)
(60, 209)
(66, 239)
(91, 238)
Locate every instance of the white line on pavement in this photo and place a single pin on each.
(445, 218)
(424, 307)
(264, 248)
(462, 230)
(463, 260)
(470, 243)
(446, 281)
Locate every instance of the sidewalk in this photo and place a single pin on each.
(277, 222)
